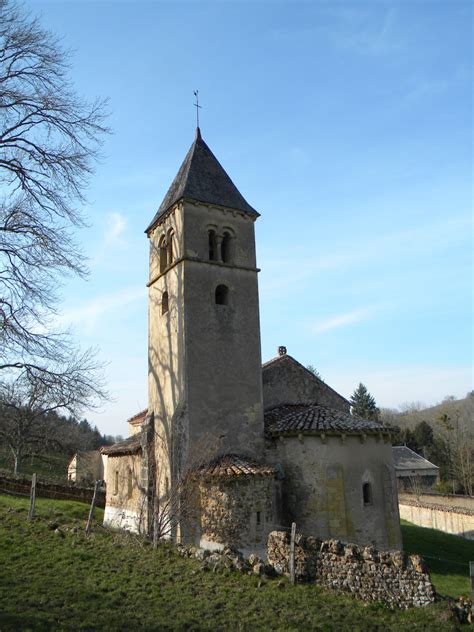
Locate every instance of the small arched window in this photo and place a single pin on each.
(163, 254)
(164, 303)
(116, 482)
(212, 245)
(226, 248)
(169, 248)
(129, 483)
(222, 295)
(367, 493)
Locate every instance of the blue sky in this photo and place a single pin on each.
(347, 125)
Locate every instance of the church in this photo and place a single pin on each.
(230, 449)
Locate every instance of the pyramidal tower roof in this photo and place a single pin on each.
(202, 178)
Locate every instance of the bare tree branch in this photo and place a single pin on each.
(49, 141)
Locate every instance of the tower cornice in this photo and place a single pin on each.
(211, 207)
(217, 264)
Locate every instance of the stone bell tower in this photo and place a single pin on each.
(204, 362)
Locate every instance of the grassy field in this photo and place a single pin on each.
(61, 580)
(447, 557)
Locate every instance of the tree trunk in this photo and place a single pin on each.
(16, 463)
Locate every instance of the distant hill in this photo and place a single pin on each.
(458, 410)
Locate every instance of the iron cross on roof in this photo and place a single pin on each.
(197, 106)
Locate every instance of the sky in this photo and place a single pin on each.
(348, 126)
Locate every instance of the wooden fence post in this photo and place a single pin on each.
(292, 552)
(91, 510)
(31, 511)
(471, 573)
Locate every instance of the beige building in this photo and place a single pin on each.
(229, 450)
(86, 467)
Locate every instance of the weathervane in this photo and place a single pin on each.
(197, 106)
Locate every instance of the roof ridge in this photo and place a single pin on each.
(140, 414)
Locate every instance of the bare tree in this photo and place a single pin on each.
(27, 402)
(49, 140)
(457, 435)
(175, 495)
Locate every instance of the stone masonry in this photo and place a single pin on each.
(368, 574)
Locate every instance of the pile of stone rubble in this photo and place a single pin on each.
(228, 558)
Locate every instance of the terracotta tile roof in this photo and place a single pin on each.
(406, 459)
(202, 178)
(234, 465)
(129, 446)
(303, 418)
(138, 418)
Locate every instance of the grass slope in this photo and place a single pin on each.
(52, 466)
(447, 557)
(65, 581)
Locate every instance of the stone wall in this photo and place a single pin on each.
(456, 520)
(323, 479)
(21, 486)
(237, 512)
(126, 500)
(368, 574)
(448, 500)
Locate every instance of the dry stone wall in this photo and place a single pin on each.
(21, 486)
(370, 575)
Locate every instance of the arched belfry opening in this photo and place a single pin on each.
(163, 254)
(170, 248)
(222, 295)
(226, 248)
(212, 240)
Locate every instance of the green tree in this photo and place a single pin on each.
(312, 369)
(423, 435)
(363, 404)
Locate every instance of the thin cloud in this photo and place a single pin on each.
(340, 321)
(363, 32)
(391, 386)
(279, 275)
(116, 224)
(91, 313)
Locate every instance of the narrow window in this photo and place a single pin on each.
(164, 303)
(222, 295)
(116, 481)
(226, 248)
(163, 254)
(259, 518)
(170, 249)
(212, 246)
(129, 483)
(367, 493)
